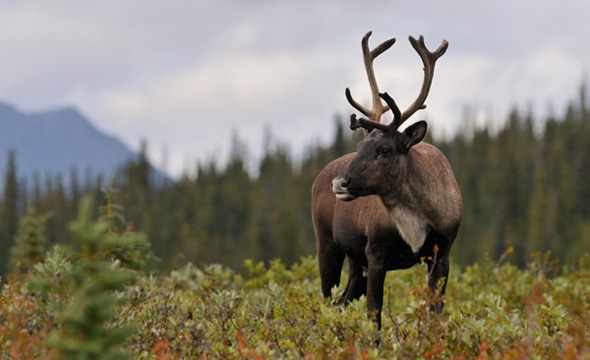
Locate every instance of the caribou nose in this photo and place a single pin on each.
(340, 183)
(341, 188)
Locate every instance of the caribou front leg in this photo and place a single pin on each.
(375, 282)
(438, 269)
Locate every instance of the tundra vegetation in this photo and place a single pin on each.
(95, 301)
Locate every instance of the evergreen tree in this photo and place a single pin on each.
(104, 261)
(9, 213)
(30, 243)
(339, 144)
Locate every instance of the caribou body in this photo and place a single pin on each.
(390, 205)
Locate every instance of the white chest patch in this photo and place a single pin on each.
(411, 227)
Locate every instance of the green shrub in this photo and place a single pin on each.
(492, 310)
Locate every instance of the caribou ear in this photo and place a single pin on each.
(412, 135)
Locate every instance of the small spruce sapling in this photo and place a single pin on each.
(103, 261)
(83, 331)
(30, 243)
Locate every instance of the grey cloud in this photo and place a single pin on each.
(188, 73)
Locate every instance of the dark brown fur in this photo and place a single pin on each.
(400, 201)
(414, 178)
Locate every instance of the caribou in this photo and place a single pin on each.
(392, 204)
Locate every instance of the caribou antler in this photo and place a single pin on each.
(429, 60)
(369, 55)
(369, 124)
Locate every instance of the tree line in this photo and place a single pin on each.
(524, 187)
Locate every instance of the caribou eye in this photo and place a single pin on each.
(384, 152)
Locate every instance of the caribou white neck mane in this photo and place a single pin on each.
(411, 227)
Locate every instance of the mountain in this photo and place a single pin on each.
(55, 142)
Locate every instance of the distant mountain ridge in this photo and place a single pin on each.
(55, 142)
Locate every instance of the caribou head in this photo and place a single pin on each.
(383, 154)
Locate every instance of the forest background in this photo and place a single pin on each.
(525, 187)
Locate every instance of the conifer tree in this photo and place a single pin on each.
(82, 331)
(9, 213)
(339, 144)
(105, 259)
(30, 243)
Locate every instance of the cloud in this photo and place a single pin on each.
(187, 74)
(205, 102)
(211, 95)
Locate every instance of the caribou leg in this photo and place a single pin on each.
(375, 283)
(357, 283)
(331, 259)
(438, 269)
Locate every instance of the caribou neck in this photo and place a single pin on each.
(401, 190)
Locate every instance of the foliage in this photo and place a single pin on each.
(492, 310)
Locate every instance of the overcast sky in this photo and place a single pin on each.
(186, 74)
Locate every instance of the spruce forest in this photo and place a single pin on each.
(524, 186)
(236, 257)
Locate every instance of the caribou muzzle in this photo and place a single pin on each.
(341, 188)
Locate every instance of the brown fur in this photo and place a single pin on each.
(400, 201)
(363, 230)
